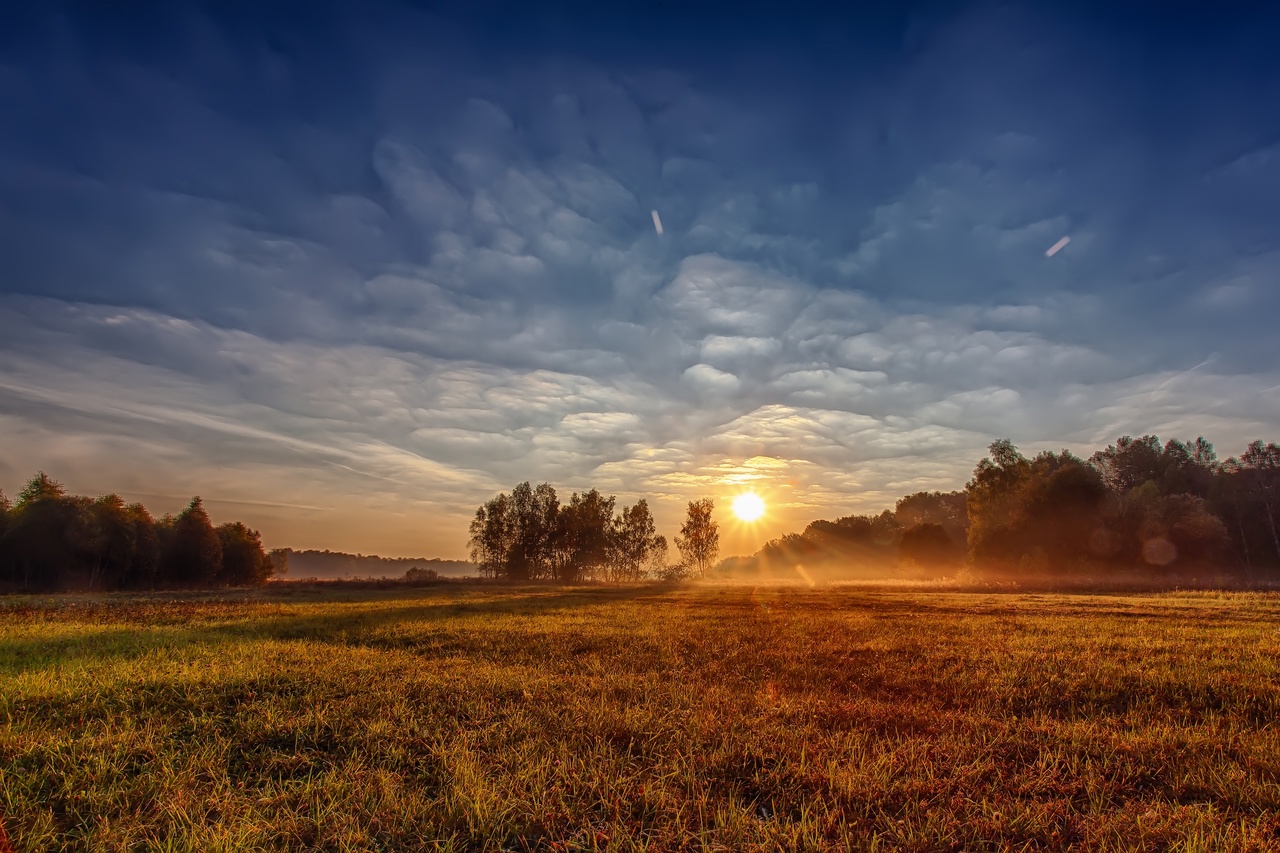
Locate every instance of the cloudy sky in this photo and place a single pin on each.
(348, 270)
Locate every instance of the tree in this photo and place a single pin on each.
(992, 499)
(927, 546)
(39, 488)
(583, 541)
(948, 510)
(1033, 514)
(513, 536)
(658, 565)
(192, 550)
(279, 558)
(634, 541)
(699, 539)
(1130, 462)
(532, 517)
(244, 560)
(1260, 466)
(114, 542)
(145, 568)
(45, 541)
(51, 540)
(490, 539)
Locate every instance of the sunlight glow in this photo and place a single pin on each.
(748, 506)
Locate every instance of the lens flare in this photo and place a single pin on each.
(748, 506)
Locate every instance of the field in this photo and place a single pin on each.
(474, 717)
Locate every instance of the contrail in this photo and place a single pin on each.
(1057, 247)
(657, 222)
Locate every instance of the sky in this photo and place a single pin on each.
(348, 270)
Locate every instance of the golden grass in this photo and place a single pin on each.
(488, 718)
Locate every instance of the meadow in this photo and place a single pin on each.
(484, 717)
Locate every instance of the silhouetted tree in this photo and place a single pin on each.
(927, 546)
(699, 539)
(114, 542)
(1033, 515)
(993, 501)
(635, 539)
(862, 539)
(244, 561)
(513, 536)
(583, 537)
(145, 567)
(490, 540)
(50, 540)
(1259, 466)
(45, 528)
(192, 551)
(1129, 463)
(948, 510)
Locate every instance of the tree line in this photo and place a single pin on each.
(50, 541)
(528, 534)
(1166, 508)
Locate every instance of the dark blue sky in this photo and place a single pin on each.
(347, 269)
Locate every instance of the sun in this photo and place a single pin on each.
(748, 506)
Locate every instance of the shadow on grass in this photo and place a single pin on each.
(343, 621)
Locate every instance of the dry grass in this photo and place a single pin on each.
(481, 718)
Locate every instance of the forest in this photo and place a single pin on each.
(1163, 510)
(51, 541)
(325, 565)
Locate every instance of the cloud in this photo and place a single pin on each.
(363, 303)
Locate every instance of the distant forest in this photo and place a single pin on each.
(1161, 510)
(50, 541)
(336, 564)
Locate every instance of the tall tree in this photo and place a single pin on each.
(244, 560)
(928, 547)
(699, 539)
(1260, 465)
(192, 550)
(490, 540)
(1129, 462)
(635, 539)
(992, 499)
(114, 542)
(512, 536)
(145, 568)
(948, 510)
(584, 539)
(46, 530)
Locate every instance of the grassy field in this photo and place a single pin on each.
(486, 718)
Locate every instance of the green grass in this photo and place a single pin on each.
(481, 718)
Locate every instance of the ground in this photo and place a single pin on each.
(474, 717)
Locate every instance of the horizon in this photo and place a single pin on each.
(349, 275)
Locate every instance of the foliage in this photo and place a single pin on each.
(929, 547)
(1170, 508)
(699, 539)
(50, 540)
(244, 561)
(529, 535)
